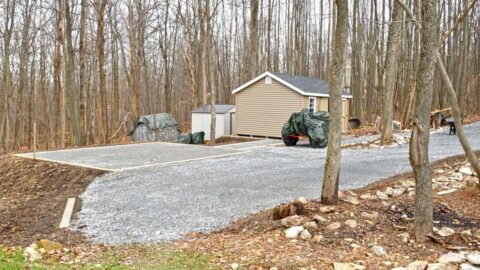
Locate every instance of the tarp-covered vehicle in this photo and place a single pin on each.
(306, 123)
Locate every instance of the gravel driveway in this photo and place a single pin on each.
(166, 201)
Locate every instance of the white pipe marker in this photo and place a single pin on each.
(67, 214)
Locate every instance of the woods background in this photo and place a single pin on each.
(81, 70)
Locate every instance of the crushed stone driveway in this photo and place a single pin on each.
(163, 202)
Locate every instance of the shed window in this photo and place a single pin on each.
(312, 104)
(268, 80)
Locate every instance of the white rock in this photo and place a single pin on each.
(444, 232)
(347, 266)
(319, 219)
(293, 221)
(311, 226)
(378, 250)
(234, 266)
(467, 266)
(408, 183)
(437, 266)
(351, 223)
(305, 235)
(350, 199)
(318, 238)
(327, 209)
(399, 191)
(301, 200)
(417, 265)
(31, 254)
(399, 268)
(466, 233)
(439, 171)
(367, 196)
(443, 192)
(334, 226)
(371, 216)
(405, 237)
(273, 268)
(467, 169)
(456, 176)
(451, 257)
(381, 195)
(293, 232)
(473, 258)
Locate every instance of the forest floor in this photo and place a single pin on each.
(380, 216)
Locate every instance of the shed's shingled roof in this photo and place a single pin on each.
(219, 108)
(306, 84)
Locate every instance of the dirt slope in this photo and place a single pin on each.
(33, 195)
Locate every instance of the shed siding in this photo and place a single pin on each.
(262, 109)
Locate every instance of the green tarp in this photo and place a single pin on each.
(195, 138)
(306, 123)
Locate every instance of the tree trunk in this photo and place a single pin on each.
(419, 158)
(394, 34)
(335, 78)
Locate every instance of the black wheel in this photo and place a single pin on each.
(289, 141)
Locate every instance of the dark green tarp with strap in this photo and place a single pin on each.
(306, 123)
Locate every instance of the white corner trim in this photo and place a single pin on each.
(243, 86)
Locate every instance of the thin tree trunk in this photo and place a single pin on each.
(337, 69)
(393, 49)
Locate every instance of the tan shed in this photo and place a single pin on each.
(265, 103)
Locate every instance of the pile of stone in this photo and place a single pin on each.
(449, 261)
(36, 251)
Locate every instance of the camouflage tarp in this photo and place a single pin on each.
(155, 127)
(306, 123)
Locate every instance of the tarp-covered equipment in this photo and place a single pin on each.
(306, 123)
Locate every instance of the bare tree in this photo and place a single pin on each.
(335, 78)
(394, 35)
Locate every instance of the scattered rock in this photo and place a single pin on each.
(305, 235)
(408, 183)
(452, 258)
(372, 215)
(293, 221)
(381, 195)
(318, 238)
(319, 219)
(457, 176)
(347, 266)
(311, 226)
(367, 196)
(327, 209)
(399, 191)
(437, 266)
(351, 223)
(444, 232)
(31, 254)
(467, 169)
(334, 226)
(350, 199)
(473, 258)
(467, 266)
(48, 245)
(443, 192)
(405, 237)
(301, 200)
(293, 232)
(417, 265)
(378, 250)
